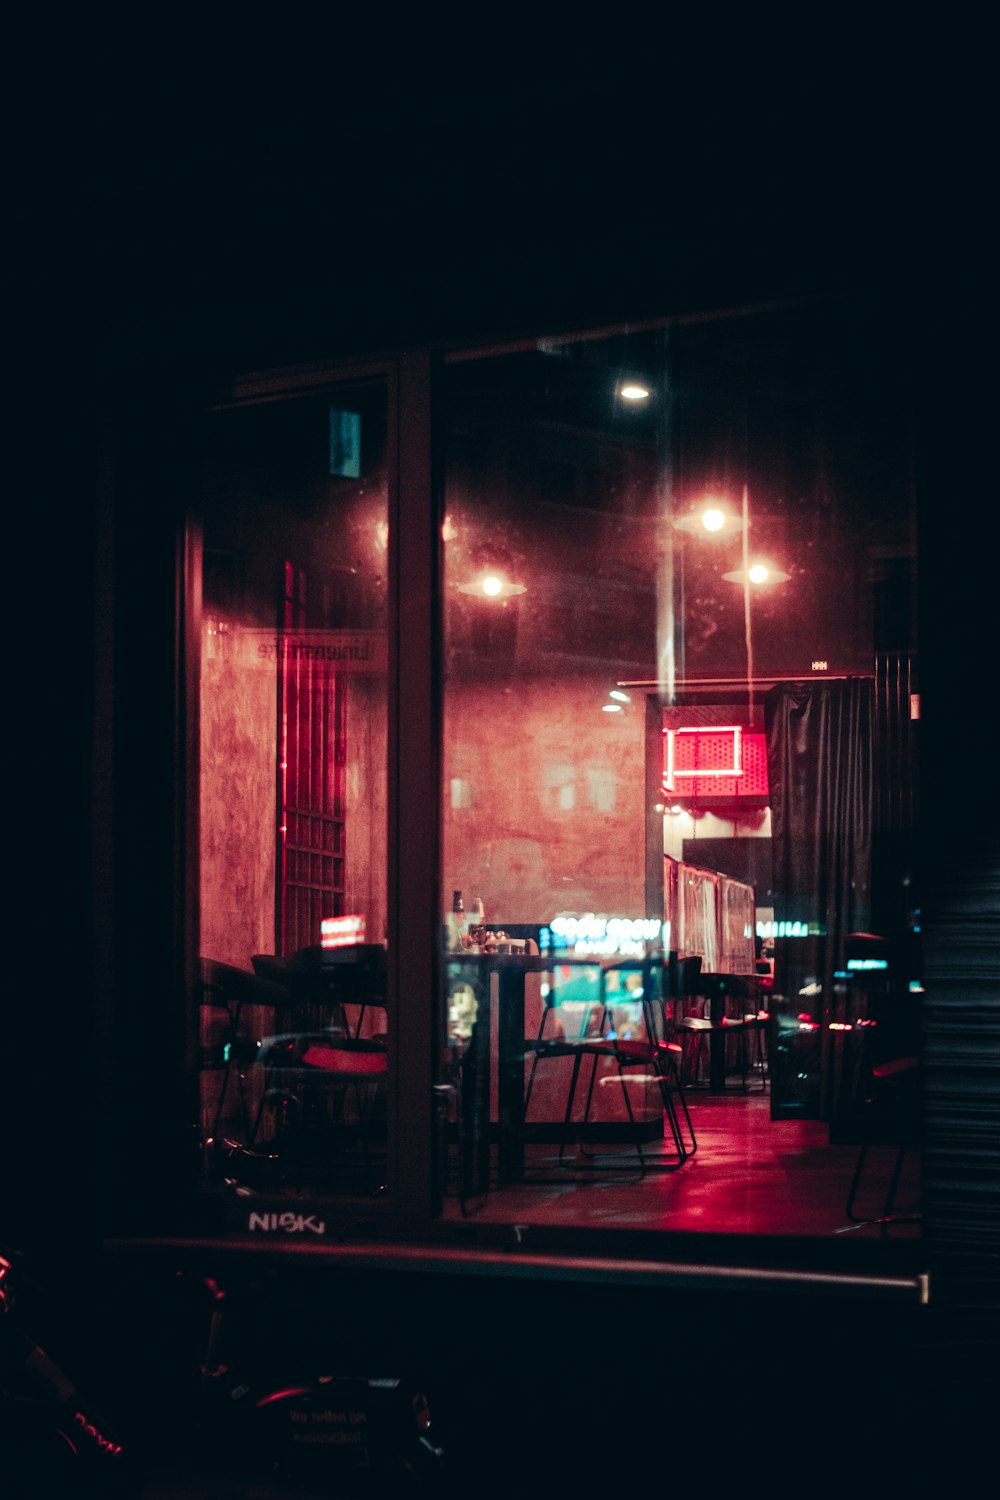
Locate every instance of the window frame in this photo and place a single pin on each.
(411, 1211)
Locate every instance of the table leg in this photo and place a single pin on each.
(717, 1043)
(475, 1085)
(510, 1076)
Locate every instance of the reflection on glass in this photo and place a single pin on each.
(650, 534)
(292, 789)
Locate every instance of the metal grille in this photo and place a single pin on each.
(702, 755)
(311, 777)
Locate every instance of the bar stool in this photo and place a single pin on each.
(893, 1119)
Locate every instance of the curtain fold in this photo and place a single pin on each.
(820, 754)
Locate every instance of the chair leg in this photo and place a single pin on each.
(631, 1114)
(692, 1055)
(890, 1196)
(593, 1155)
(758, 1059)
(590, 1097)
(647, 1163)
(534, 1065)
(568, 1116)
(531, 1083)
(678, 1084)
(220, 1102)
(855, 1183)
(231, 1053)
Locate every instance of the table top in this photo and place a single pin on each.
(555, 958)
(537, 963)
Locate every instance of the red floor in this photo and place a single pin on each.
(750, 1175)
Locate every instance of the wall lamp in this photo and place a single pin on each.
(758, 572)
(712, 518)
(490, 583)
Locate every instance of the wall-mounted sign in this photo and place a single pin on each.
(335, 650)
(604, 937)
(341, 932)
(345, 443)
(714, 760)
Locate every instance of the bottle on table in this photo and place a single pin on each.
(456, 925)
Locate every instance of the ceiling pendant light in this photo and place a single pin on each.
(492, 583)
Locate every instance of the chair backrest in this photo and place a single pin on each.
(682, 974)
(226, 985)
(354, 975)
(736, 986)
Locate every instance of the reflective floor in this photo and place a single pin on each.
(750, 1175)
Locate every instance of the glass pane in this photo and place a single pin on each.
(680, 689)
(293, 762)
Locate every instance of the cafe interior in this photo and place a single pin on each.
(678, 976)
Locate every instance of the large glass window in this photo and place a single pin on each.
(678, 905)
(294, 1028)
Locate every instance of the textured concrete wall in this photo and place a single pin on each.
(543, 799)
(238, 725)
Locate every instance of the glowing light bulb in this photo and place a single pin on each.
(611, 708)
(713, 519)
(487, 585)
(634, 392)
(619, 696)
(759, 572)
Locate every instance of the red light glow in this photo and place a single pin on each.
(288, 1394)
(104, 1443)
(715, 760)
(340, 1060)
(341, 932)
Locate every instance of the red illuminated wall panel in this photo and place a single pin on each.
(714, 761)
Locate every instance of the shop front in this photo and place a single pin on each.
(541, 785)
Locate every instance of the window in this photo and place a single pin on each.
(671, 780)
(678, 601)
(295, 1035)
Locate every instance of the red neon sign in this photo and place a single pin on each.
(715, 760)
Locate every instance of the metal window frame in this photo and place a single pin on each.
(414, 831)
(414, 723)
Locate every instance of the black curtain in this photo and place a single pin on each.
(820, 761)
